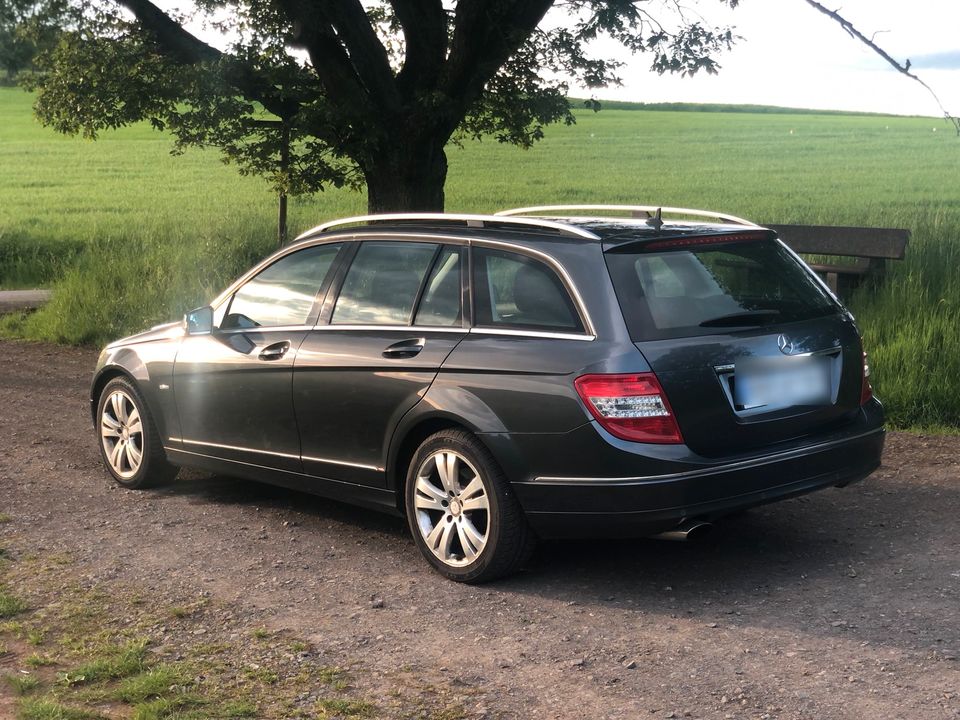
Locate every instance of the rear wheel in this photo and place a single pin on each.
(462, 511)
(131, 449)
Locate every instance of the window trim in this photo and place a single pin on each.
(351, 242)
(318, 297)
(586, 332)
(325, 317)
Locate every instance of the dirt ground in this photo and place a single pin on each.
(842, 604)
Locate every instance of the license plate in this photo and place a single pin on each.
(781, 382)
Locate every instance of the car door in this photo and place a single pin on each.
(379, 345)
(233, 386)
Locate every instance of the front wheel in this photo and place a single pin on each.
(129, 443)
(462, 512)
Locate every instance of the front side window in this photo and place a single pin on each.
(282, 293)
(516, 291)
(383, 282)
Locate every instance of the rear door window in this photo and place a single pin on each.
(440, 305)
(516, 291)
(714, 288)
(383, 283)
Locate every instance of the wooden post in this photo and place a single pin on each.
(284, 127)
(284, 166)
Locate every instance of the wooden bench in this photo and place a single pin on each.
(869, 247)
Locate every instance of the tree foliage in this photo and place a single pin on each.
(370, 92)
(29, 27)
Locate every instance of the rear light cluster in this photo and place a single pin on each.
(631, 407)
(866, 389)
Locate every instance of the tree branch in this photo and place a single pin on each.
(367, 54)
(486, 34)
(424, 24)
(904, 69)
(178, 43)
(187, 49)
(327, 56)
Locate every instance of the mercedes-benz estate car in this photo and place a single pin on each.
(546, 372)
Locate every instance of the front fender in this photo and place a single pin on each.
(150, 367)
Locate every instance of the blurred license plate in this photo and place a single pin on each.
(781, 382)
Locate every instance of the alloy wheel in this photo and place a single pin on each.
(121, 432)
(452, 508)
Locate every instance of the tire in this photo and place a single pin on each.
(130, 447)
(465, 519)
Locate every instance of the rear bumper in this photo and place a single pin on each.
(559, 506)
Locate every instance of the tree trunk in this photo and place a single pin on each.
(406, 176)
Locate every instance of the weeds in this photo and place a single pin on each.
(10, 605)
(22, 684)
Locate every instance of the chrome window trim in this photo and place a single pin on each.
(560, 270)
(267, 328)
(590, 330)
(532, 333)
(414, 329)
(700, 472)
(274, 454)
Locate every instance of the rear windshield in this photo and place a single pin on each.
(713, 288)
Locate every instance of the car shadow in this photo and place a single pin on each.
(804, 563)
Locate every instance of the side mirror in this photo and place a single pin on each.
(199, 321)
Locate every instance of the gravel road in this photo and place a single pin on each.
(843, 604)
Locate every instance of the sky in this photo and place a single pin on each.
(793, 56)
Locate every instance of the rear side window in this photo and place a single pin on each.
(383, 282)
(714, 288)
(283, 293)
(516, 291)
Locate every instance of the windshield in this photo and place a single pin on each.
(714, 288)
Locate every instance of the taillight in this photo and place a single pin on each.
(866, 390)
(630, 407)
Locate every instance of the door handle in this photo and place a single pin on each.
(405, 348)
(275, 351)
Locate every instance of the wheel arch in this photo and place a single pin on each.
(406, 442)
(100, 380)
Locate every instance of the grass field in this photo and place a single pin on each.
(128, 235)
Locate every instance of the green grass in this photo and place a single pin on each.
(10, 605)
(129, 236)
(348, 709)
(154, 683)
(21, 684)
(121, 663)
(47, 709)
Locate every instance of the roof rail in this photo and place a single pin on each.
(651, 210)
(473, 221)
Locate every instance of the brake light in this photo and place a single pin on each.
(630, 407)
(866, 389)
(709, 240)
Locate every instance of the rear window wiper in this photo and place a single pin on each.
(753, 317)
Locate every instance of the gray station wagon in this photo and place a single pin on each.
(544, 372)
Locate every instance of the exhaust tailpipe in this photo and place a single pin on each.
(687, 530)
